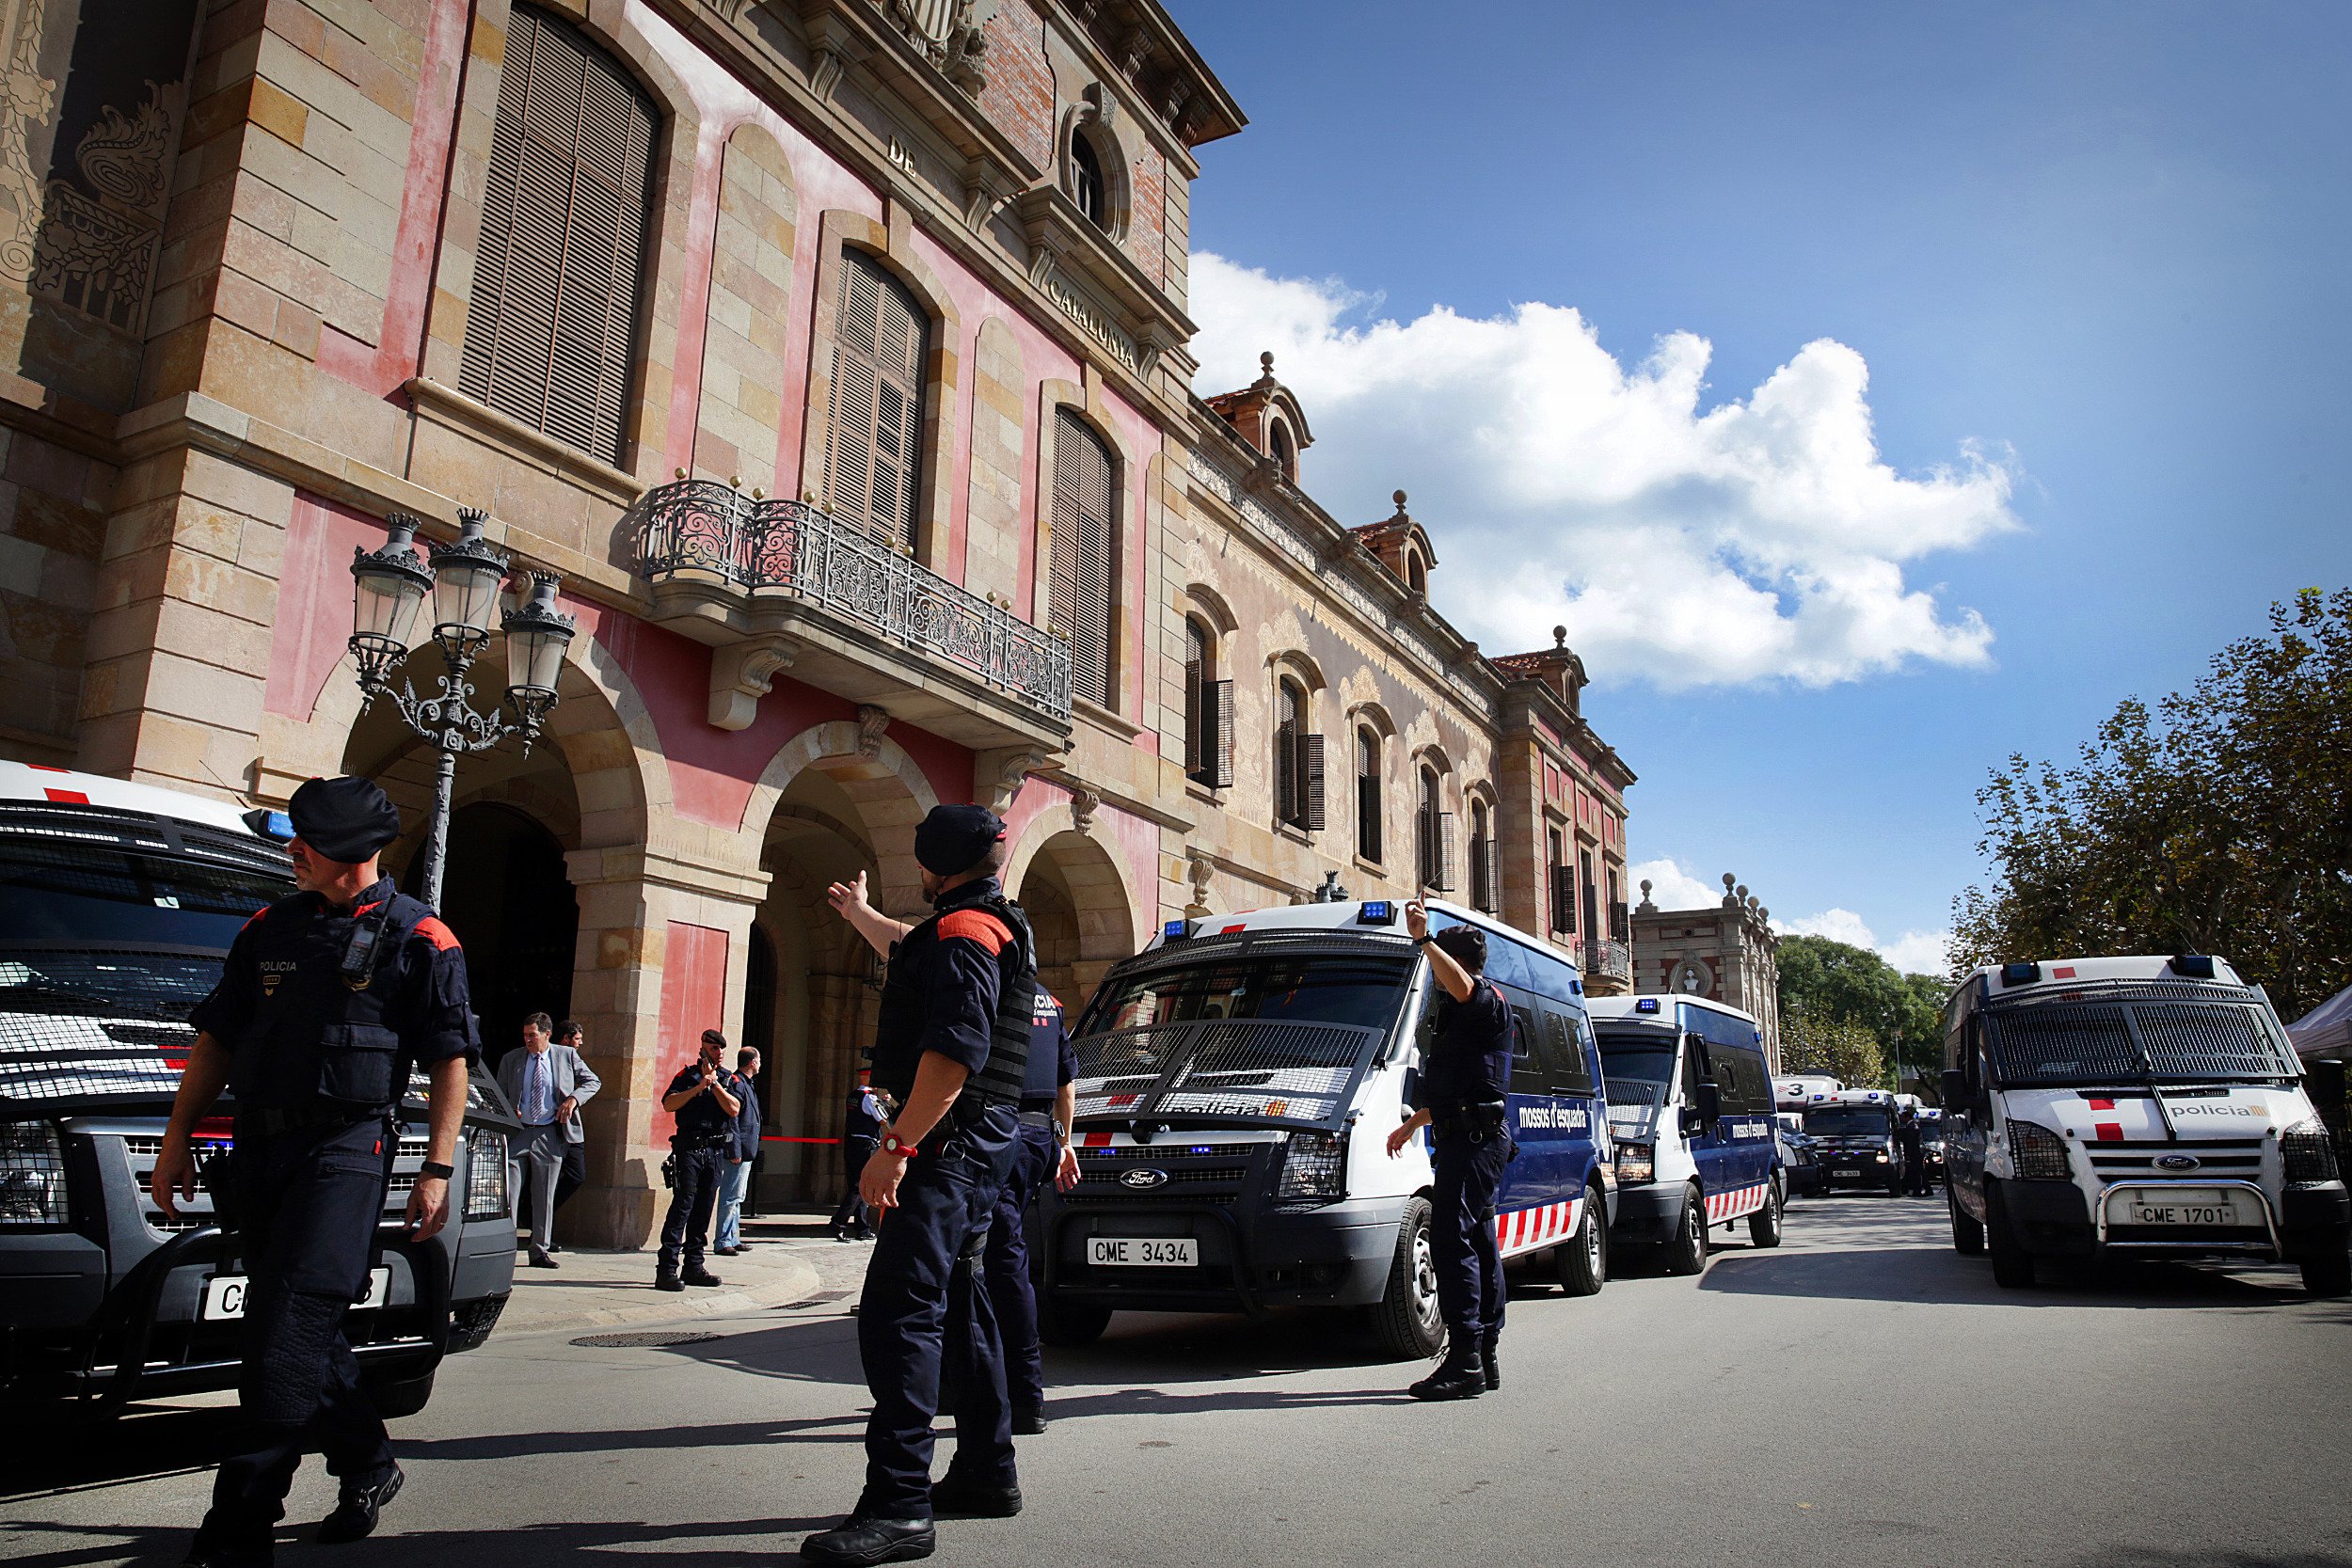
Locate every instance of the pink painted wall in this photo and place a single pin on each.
(693, 998)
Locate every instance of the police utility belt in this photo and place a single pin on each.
(700, 1140)
(1478, 1119)
(268, 1121)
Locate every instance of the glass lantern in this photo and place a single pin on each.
(465, 579)
(536, 635)
(389, 586)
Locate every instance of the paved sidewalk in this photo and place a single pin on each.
(603, 1290)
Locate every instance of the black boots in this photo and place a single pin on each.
(955, 1494)
(858, 1541)
(357, 1507)
(1492, 1365)
(1462, 1375)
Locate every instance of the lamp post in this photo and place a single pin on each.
(388, 589)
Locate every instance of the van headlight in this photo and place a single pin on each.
(1636, 1163)
(2038, 1154)
(485, 1174)
(32, 1174)
(1314, 1165)
(2308, 1153)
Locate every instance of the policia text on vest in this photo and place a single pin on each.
(326, 1001)
(951, 1047)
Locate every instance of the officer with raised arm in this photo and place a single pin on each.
(1463, 1085)
(950, 1048)
(324, 1002)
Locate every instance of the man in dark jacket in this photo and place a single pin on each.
(861, 1134)
(736, 1182)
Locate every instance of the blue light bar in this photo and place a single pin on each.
(2019, 974)
(2194, 966)
(1177, 930)
(1376, 912)
(1646, 1005)
(271, 824)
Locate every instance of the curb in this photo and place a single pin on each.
(784, 1282)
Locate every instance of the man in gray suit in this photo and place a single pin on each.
(546, 1084)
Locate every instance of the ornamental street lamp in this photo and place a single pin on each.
(388, 589)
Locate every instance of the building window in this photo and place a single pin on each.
(1416, 575)
(874, 418)
(1082, 555)
(1482, 865)
(1368, 794)
(1436, 831)
(1562, 876)
(1297, 761)
(552, 327)
(1208, 711)
(1592, 897)
(1285, 452)
(1620, 920)
(1088, 187)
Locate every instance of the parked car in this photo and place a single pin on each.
(1800, 1156)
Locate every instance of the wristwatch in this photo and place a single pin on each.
(435, 1167)
(1061, 1131)
(893, 1144)
(1422, 941)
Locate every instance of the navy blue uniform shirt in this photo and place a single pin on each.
(962, 981)
(1469, 1058)
(702, 1116)
(1049, 1040)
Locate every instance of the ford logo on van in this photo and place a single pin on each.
(2178, 1161)
(1142, 1179)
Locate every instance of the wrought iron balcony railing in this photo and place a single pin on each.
(700, 526)
(1611, 960)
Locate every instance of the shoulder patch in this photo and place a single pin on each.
(975, 925)
(440, 936)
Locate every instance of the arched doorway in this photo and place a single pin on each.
(514, 910)
(1078, 907)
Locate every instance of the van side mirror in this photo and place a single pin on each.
(1700, 1115)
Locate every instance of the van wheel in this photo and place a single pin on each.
(1583, 1260)
(1764, 1224)
(396, 1398)
(1406, 1320)
(1071, 1324)
(2329, 1274)
(2012, 1265)
(1687, 1252)
(1967, 1235)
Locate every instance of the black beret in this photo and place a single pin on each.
(345, 819)
(954, 839)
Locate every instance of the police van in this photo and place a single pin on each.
(117, 902)
(1690, 1113)
(2132, 1106)
(1237, 1082)
(1854, 1130)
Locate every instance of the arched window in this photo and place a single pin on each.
(1083, 565)
(1435, 827)
(1208, 710)
(1088, 187)
(1368, 793)
(1297, 761)
(874, 413)
(1482, 863)
(1416, 575)
(551, 326)
(1285, 452)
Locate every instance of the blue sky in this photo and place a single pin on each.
(2092, 257)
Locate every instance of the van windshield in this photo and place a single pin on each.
(1849, 1122)
(2138, 1033)
(1638, 1065)
(1272, 1039)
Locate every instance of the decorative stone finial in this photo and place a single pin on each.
(1266, 362)
(1559, 638)
(1728, 879)
(1743, 891)
(1646, 905)
(1400, 503)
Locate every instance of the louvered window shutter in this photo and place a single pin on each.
(874, 414)
(552, 327)
(1310, 768)
(1368, 816)
(1195, 712)
(1221, 740)
(1444, 882)
(1489, 899)
(1286, 773)
(1424, 840)
(1082, 554)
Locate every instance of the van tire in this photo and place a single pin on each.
(2012, 1265)
(1583, 1260)
(1687, 1252)
(1967, 1234)
(1764, 1224)
(396, 1397)
(1071, 1324)
(2329, 1274)
(1406, 1320)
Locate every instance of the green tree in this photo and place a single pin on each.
(1844, 1048)
(2220, 821)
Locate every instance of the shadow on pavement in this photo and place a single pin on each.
(746, 1540)
(148, 1441)
(2142, 1556)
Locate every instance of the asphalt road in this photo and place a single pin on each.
(1860, 1396)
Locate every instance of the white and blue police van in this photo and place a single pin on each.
(1690, 1114)
(1855, 1132)
(2142, 1106)
(1238, 1084)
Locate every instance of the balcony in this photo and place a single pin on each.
(1609, 960)
(771, 585)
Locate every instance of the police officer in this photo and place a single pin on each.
(1048, 1104)
(704, 1098)
(324, 1002)
(1910, 1149)
(950, 1050)
(1462, 1088)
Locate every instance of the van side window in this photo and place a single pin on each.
(1694, 1068)
(1569, 1072)
(1523, 1038)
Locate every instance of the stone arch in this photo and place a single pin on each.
(1075, 889)
(1374, 714)
(1201, 599)
(888, 788)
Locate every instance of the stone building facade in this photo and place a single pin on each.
(832, 355)
(1727, 952)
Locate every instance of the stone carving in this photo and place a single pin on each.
(97, 254)
(28, 102)
(871, 722)
(951, 33)
(1084, 803)
(124, 156)
(740, 675)
(997, 774)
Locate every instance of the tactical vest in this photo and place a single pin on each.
(313, 1038)
(899, 1033)
(1037, 1088)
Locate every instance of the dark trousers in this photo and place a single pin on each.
(574, 1175)
(924, 1320)
(1010, 1290)
(1469, 1169)
(701, 1167)
(308, 1201)
(856, 1150)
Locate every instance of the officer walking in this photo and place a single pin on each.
(950, 1048)
(324, 1002)
(706, 1099)
(1049, 1103)
(1462, 1088)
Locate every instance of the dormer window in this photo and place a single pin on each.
(1416, 575)
(1088, 187)
(1285, 452)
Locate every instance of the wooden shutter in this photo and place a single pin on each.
(1221, 743)
(552, 327)
(1489, 898)
(1196, 717)
(1082, 554)
(1563, 899)
(1443, 881)
(1286, 773)
(1368, 816)
(1310, 770)
(874, 413)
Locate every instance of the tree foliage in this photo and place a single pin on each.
(1844, 1048)
(1835, 985)
(2219, 822)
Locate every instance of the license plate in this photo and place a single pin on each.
(224, 1294)
(1143, 1252)
(2187, 1206)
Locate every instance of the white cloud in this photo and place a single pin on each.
(1913, 953)
(1673, 888)
(1756, 539)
